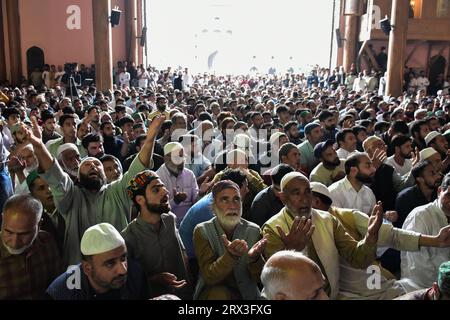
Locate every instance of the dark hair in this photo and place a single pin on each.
(381, 126)
(399, 140)
(324, 115)
(204, 116)
(281, 109)
(103, 124)
(289, 125)
(341, 135)
(285, 149)
(255, 114)
(445, 182)
(91, 137)
(279, 172)
(64, 117)
(353, 161)
(415, 127)
(357, 129)
(418, 169)
(235, 175)
(6, 113)
(109, 157)
(46, 115)
(93, 108)
(139, 139)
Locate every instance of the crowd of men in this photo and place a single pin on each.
(224, 187)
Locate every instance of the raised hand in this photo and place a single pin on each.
(237, 248)
(444, 237)
(379, 156)
(415, 156)
(299, 235)
(205, 186)
(167, 279)
(179, 197)
(375, 221)
(257, 249)
(155, 126)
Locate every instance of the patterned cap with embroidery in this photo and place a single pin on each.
(140, 181)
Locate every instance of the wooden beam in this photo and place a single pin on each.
(372, 59)
(397, 48)
(2, 46)
(427, 65)
(15, 52)
(102, 44)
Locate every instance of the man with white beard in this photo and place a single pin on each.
(69, 159)
(21, 164)
(228, 249)
(29, 259)
(92, 200)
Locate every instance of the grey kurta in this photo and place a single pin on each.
(158, 250)
(82, 209)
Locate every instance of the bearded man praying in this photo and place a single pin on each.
(228, 249)
(92, 201)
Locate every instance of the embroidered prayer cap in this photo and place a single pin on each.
(318, 187)
(430, 137)
(139, 183)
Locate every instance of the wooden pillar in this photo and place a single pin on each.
(397, 47)
(101, 10)
(351, 11)
(15, 54)
(2, 47)
(131, 30)
(140, 24)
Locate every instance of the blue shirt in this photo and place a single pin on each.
(201, 211)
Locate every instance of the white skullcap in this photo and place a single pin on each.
(275, 136)
(426, 153)
(431, 136)
(241, 140)
(419, 111)
(172, 146)
(100, 238)
(291, 175)
(64, 147)
(320, 188)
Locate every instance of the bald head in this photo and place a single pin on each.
(21, 216)
(290, 275)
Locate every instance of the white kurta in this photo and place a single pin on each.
(420, 269)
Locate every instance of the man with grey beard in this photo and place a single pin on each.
(29, 258)
(93, 200)
(69, 159)
(228, 249)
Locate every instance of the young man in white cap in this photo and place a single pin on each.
(316, 234)
(92, 200)
(153, 239)
(431, 155)
(353, 282)
(105, 273)
(180, 181)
